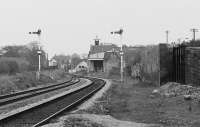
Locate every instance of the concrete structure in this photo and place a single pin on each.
(102, 57)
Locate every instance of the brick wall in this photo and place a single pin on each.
(192, 65)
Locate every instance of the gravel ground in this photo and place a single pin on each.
(173, 89)
(93, 120)
(91, 102)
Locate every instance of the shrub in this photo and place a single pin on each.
(4, 68)
(7, 85)
(13, 67)
(151, 77)
(114, 71)
(9, 67)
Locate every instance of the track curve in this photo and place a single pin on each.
(41, 114)
(11, 98)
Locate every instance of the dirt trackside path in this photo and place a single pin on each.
(131, 101)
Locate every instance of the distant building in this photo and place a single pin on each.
(53, 62)
(102, 57)
(2, 52)
(82, 66)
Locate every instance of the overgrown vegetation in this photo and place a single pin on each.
(13, 65)
(26, 80)
(142, 62)
(134, 101)
(70, 60)
(192, 43)
(21, 58)
(19, 63)
(115, 71)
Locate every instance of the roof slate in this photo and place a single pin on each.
(102, 48)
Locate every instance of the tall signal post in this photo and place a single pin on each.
(120, 32)
(38, 33)
(194, 33)
(167, 36)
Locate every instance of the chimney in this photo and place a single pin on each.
(96, 41)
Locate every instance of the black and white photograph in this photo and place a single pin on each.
(99, 63)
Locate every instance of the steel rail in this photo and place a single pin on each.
(69, 106)
(42, 113)
(27, 91)
(38, 91)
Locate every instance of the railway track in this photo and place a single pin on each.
(41, 114)
(11, 98)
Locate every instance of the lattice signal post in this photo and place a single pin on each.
(120, 32)
(39, 52)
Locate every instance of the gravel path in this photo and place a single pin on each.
(89, 119)
(89, 103)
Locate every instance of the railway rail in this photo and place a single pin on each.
(41, 114)
(11, 98)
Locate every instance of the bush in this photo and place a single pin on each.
(114, 71)
(26, 80)
(151, 77)
(4, 68)
(6, 85)
(9, 67)
(13, 67)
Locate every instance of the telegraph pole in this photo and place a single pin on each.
(167, 36)
(194, 32)
(121, 52)
(121, 55)
(38, 33)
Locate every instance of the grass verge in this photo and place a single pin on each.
(133, 101)
(26, 80)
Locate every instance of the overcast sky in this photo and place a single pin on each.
(70, 26)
